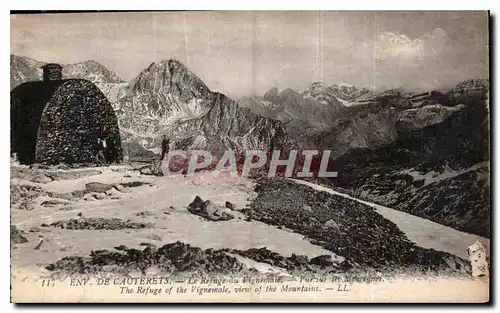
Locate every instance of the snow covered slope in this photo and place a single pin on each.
(161, 201)
(424, 233)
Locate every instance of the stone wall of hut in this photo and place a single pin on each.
(76, 116)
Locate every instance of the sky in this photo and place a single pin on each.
(243, 53)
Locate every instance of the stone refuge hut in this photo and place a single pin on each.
(62, 121)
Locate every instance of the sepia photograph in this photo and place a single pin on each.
(250, 157)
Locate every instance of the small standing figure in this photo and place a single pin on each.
(165, 146)
(102, 153)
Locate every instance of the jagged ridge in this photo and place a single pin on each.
(167, 98)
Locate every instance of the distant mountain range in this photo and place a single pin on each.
(23, 69)
(167, 98)
(425, 153)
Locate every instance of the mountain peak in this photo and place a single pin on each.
(171, 64)
(91, 70)
(169, 75)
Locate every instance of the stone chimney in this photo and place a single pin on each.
(52, 71)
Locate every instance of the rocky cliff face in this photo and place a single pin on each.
(437, 168)
(23, 69)
(349, 94)
(342, 117)
(303, 112)
(167, 98)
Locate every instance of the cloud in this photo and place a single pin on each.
(432, 60)
(395, 46)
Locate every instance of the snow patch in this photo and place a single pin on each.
(433, 176)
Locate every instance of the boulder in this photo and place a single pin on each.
(53, 202)
(322, 261)
(331, 224)
(146, 171)
(154, 168)
(209, 210)
(97, 187)
(299, 259)
(26, 205)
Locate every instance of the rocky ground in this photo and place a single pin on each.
(345, 227)
(457, 198)
(117, 220)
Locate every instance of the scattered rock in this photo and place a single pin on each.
(24, 193)
(152, 169)
(134, 184)
(295, 263)
(171, 258)
(66, 208)
(39, 245)
(72, 174)
(42, 179)
(147, 244)
(64, 196)
(89, 197)
(307, 208)
(31, 174)
(120, 169)
(457, 264)
(144, 214)
(25, 205)
(229, 205)
(16, 236)
(78, 193)
(154, 237)
(120, 188)
(99, 223)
